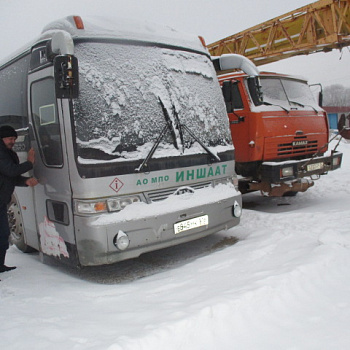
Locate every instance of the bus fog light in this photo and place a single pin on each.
(237, 210)
(121, 240)
(287, 171)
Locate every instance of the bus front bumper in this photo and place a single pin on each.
(96, 236)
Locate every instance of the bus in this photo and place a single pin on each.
(132, 140)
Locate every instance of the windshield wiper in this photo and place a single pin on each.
(169, 125)
(272, 104)
(153, 149)
(179, 126)
(213, 156)
(301, 105)
(173, 128)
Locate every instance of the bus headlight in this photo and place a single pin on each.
(85, 207)
(116, 204)
(102, 206)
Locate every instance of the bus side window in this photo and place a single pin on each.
(46, 124)
(232, 95)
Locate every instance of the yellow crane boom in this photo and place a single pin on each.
(320, 26)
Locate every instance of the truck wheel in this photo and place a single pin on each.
(290, 194)
(16, 229)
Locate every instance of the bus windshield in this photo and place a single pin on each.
(287, 92)
(129, 94)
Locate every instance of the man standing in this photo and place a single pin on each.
(10, 176)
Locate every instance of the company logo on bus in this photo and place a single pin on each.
(116, 185)
(183, 190)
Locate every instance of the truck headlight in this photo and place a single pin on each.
(286, 172)
(336, 161)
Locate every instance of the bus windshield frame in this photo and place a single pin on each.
(130, 93)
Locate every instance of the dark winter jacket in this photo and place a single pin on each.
(10, 173)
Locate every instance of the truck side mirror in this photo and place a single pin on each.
(320, 99)
(320, 94)
(66, 76)
(255, 90)
(227, 92)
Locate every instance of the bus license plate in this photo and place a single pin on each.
(315, 166)
(191, 223)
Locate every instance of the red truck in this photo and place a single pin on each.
(280, 133)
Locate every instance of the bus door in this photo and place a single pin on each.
(52, 197)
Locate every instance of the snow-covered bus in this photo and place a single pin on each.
(133, 146)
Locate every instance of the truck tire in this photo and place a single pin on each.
(290, 194)
(16, 228)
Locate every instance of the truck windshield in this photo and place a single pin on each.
(124, 89)
(287, 92)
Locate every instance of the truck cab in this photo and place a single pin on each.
(279, 131)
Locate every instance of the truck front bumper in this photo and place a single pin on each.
(280, 172)
(289, 177)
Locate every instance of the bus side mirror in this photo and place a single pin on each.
(66, 76)
(255, 90)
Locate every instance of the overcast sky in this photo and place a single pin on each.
(22, 20)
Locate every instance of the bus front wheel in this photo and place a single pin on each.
(16, 228)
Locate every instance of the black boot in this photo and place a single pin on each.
(3, 267)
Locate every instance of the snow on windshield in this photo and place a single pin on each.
(123, 87)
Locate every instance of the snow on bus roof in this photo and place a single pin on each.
(126, 29)
(114, 28)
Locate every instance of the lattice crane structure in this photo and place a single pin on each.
(320, 26)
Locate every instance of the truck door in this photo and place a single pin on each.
(52, 197)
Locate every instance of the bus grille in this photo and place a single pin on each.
(161, 194)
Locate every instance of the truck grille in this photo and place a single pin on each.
(291, 147)
(296, 148)
(161, 194)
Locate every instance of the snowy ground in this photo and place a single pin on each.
(281, 280)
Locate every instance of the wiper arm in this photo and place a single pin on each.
(171, 124)
(272, 104)
(153, 149)
(297, 103)
(168, 125)
(214, 156)
(301, 105)
(178, 126)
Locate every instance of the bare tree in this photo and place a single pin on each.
(336, 95)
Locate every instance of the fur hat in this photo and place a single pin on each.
(7, 131)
